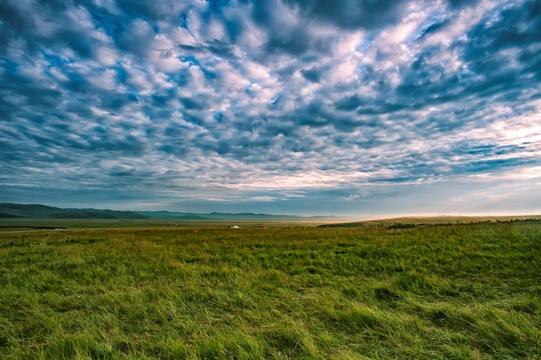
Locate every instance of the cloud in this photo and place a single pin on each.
(351, 14)
(281, 105)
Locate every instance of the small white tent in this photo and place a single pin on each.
(235, 227)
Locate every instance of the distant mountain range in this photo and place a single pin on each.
(36, 211)
(48, 212)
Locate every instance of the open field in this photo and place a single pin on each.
(432, 220)
(43, 224)
(12, 224)
(466, 291)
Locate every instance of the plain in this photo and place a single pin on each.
(427, 292)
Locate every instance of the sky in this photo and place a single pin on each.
(348, 107)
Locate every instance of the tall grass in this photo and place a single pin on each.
(450, 292)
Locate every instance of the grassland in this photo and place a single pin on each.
(43, 224)
(466, 291)
(431, 220)
(11, 224)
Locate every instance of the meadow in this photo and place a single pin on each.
(461, 291)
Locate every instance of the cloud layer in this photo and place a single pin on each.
(355, 107)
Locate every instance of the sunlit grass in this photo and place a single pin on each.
(449, 292)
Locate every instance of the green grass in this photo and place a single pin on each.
(432, 220)
(429, 292)
(40, 224)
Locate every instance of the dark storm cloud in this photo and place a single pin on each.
(263, 103)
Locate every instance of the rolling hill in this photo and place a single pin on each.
(37, 211)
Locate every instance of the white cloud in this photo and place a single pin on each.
(263, 198)
(106, 79)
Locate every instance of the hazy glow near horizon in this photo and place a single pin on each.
(277, 106)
